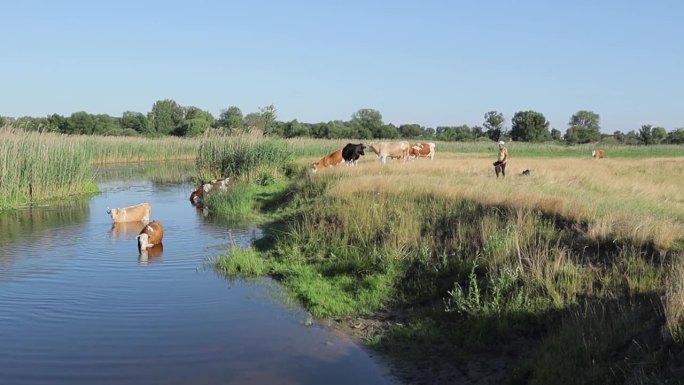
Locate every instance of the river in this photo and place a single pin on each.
(78, 306)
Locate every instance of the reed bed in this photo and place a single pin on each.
(35, 166)
(246, 157)
(42, 166)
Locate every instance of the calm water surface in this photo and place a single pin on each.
(77, 306)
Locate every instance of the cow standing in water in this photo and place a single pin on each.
(135, 213)
(152, 234)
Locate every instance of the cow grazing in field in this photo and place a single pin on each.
(352, 152)
(140, 212)
(332, 159)
(422, 150)
(384, 150)
(152, 234)
(598, 154)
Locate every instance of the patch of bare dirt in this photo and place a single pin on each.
(427, 368)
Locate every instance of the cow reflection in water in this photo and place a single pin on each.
(151, 254)
(126, 230)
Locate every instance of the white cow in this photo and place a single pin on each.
(385, 150)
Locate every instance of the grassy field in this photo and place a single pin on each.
(570, 275)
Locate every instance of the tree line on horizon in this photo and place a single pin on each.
(169, 118)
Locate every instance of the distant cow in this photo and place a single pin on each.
(332, 159)
(598, 154)
(526, 172)
(422, 150)
(352, 152)
(140, 212)
(385, 150)
(152, 234)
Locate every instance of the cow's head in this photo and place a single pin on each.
(143, 242)
(314, 167)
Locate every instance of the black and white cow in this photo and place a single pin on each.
(352, 152)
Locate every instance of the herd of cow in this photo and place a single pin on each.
(351, 153)
(150, 237)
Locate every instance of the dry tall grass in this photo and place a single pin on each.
(639, 200)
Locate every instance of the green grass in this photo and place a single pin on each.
(478, 276)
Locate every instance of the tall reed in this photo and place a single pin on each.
(35, 166)
(243, 156)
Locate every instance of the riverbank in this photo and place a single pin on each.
(569, 273)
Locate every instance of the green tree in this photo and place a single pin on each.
(106, 125)
(264, 120)
(2, 121)
(493, 124)
(166, 116)
(56, 123)
(646, 134)
(411, 131)
(477, 131)
(192, 127)
(80, 123)
(135, 121)
(530, 126)
(676, 136)
(368, 120)
(659, 135)
(556, 134)
(268, 117)
(232, 119)
(387, 131)
(583, 127)
(293, 129)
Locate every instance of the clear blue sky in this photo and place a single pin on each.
(434, 63)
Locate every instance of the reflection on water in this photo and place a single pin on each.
(36, 226)
(180, 171)
(80, 304)
(124, 230)
(151, 254)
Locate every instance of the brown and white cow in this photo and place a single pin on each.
(197, 196)
(598, 154)
(384, 150)
(422, 150)
(140, 212)
(150, 235)
(332, 159)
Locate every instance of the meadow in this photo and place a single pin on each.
(569, 275)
